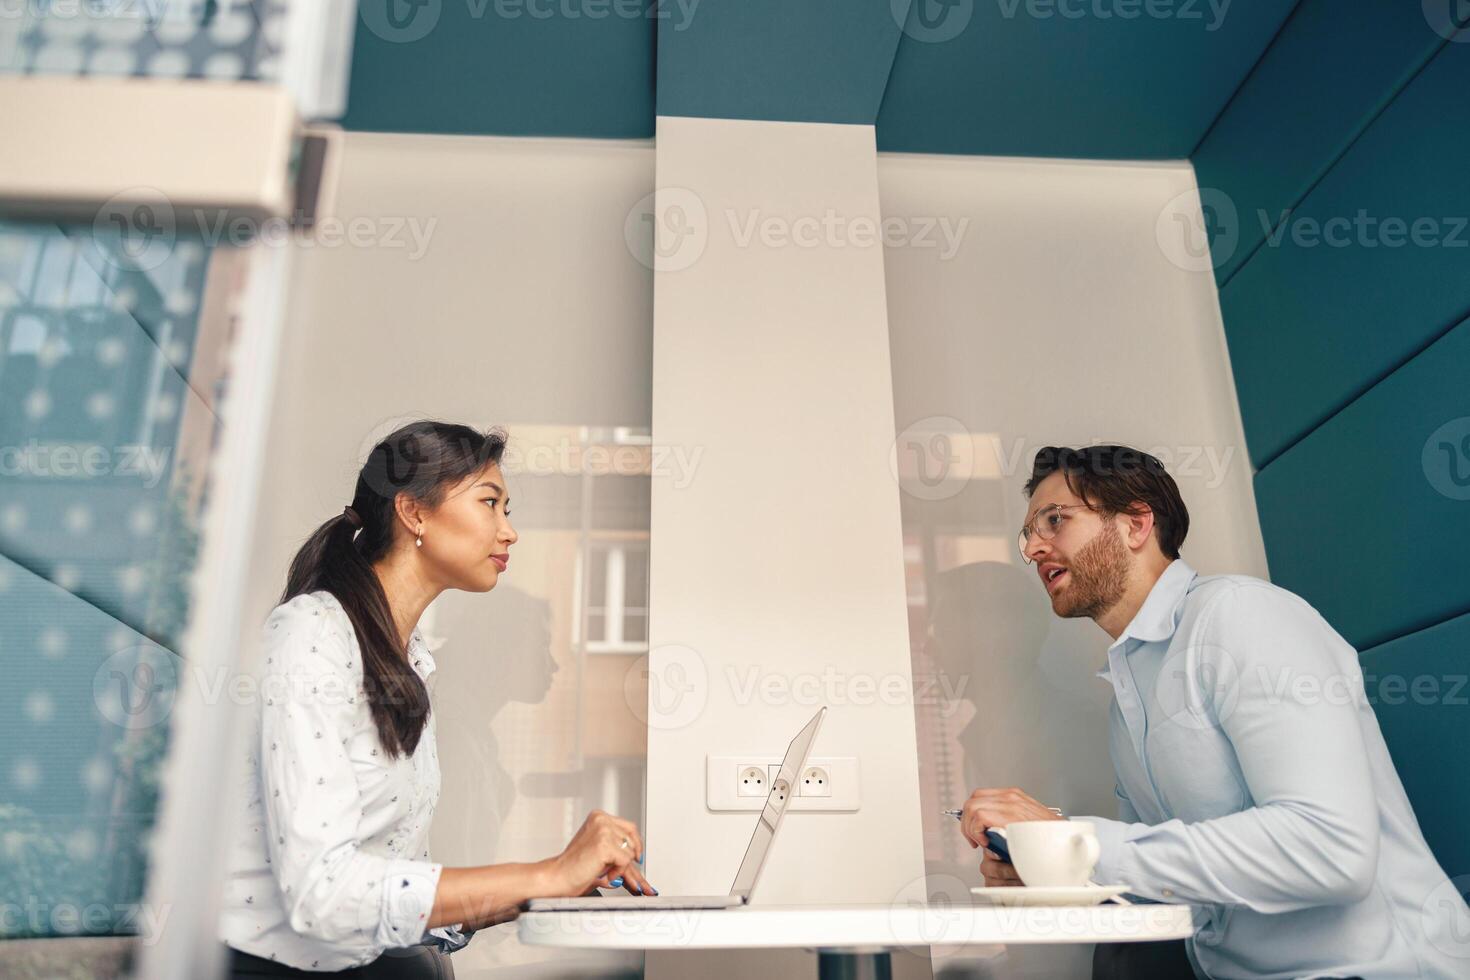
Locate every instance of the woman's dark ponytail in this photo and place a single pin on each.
(423, 460)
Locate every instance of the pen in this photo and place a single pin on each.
(960, 814)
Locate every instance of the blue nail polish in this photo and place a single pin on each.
(652, 889)
(617, 883)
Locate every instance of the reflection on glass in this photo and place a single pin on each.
(537, 682)
(109, 377)
(1003, 693)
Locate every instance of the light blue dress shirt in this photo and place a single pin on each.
(1253, 781)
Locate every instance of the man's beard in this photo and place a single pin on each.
(1099, 577)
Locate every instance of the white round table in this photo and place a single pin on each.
(853, 941)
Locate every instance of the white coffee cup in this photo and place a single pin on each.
(1053, 853)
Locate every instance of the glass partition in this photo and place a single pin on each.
(236, 40)
(541, 684)
(110, 376)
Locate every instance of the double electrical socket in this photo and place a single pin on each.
(742, 782)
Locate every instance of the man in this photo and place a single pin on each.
(1269, 801)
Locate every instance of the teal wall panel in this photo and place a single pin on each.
(1025, 78)
(504, 67)
(1417, 685)
(812, 61)
(1326, 79)
(1346, 294)
(1368, 518)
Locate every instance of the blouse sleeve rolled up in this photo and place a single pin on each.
(332, 890)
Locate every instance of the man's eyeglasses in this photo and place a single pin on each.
(1045, 525)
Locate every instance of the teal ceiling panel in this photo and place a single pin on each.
(1368, 518)
(505, 67)
(1102, 78)
(807, 61)
(1070, 78)
(1319, 86)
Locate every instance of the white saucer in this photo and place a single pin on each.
(1021, 895)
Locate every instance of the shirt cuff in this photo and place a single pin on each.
(447, 939)
(1111, 835)
(408, 897)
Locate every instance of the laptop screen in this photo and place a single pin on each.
(781, 789)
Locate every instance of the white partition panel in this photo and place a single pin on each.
(776, 572)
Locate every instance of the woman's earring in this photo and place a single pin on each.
(419, 541)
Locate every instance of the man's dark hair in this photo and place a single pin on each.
(1115, 480)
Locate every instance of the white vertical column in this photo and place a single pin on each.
(776, 570)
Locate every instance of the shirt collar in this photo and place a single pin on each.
(419, 656)
(1159, 616)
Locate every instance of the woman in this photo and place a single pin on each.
(331, 871)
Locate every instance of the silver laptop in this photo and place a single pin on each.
(750, 867)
